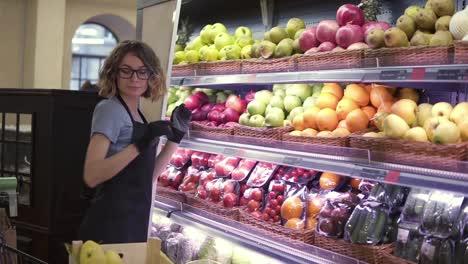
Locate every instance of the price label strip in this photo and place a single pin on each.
(385, 176)
(457, 74)
(292, 161)
(394, 75)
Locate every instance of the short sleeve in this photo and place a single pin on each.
(107, 120)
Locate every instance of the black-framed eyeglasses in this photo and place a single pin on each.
(142, 74)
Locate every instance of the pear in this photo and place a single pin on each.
(443, 7)
(416, 134)
(441, 38)
(395, 37)
(459, 113)
(431, 124)
(294, 24)
(446, 133)
(443, 23)
(375, 38)
(421, 39)
(284, 48)
(442, 109)
(254, 53)
(266, 49)
(426, 19)
(92, 253)
(395, 126)
(412, 11)
(378, 118)
(277, 34)
(423, 113)
(407, 24)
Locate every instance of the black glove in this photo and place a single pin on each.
(154, 130)
(180, 119)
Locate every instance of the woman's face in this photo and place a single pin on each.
(132, 76)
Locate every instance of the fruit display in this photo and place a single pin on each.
(91, 252)
(368, 223)
(335, 213)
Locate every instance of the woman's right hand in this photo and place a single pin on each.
(180, 119)
(155, 129)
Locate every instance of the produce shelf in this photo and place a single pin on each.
(345, 161)
(457, 73)
(248, 236)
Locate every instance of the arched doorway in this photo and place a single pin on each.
(91, 44)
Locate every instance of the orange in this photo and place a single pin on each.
(311, 223)
(345, 106)
(333, 88)
(355, 182)
(357, 93)
(292, 208)
(295, 223)
(314, 206)
(329, 180)
(310, 117)
(298, 122)
(327, 119)
(357, 120)
(327, 100)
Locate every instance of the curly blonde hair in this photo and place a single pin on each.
(109, 71)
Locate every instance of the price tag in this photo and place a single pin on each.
(403, 235)
(229, 151)
(392, 177)
(374, 174)
(292, 161)
(457, 74)
(393, 75)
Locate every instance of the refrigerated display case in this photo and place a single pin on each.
(436, 82)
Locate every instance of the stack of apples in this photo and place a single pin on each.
(440, 123)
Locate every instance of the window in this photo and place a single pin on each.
(90, 47)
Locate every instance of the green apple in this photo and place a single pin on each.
(263, 96)
(300, 90)
(191, 56)
(222, 54)
(244, 41)
(178, 57)
(244, 119)
(256, 108)
(243, 31)
(178, 47)
(280, 93)
(205, 34)
(277, 34)
(291, 101)
(195, 44)
(222, 40)
(211, 54)
(268, 108)
(233, 52)
(278, 86)
(274, 118)
(310, 102)
(202, 53)
(216, 29)
(257, 121)
(294, 25)
(91, 252)
(266, 36)
(294, 112)
(277, 101)
(245, 52)
(317, 88)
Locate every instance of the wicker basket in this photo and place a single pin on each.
(171, 194)
(219, 67)
(303, 236)
(262, 132)
(420, 55)
(330, 60)
(461, 52)
(286, 64)
(231, 213)
(184, 70)
(388, 258)
(330, 141)
(369, 254)
(412, 153)
(210, 129)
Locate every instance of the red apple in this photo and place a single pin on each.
(236, 103)
(192, 102)
(218, 107)
(202, 96)
(207, 107)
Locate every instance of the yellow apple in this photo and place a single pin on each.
(459, 112)
(408, 93)
(92, 253)
(395, 126)
(416, 134)
(463, 125)
(406, 109)
(446, 133)
(379, 117)
(431, 124)
(442, 109)
(423, 112)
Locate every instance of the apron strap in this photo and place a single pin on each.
(128, 110)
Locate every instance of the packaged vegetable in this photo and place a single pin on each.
(414, 205)
(437, 251)
(243, 170)
(261, 174)
(366, 187)
(293, 211)
(409, 241)
(393, 195)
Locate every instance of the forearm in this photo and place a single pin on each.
(99, 171)
(163, 158)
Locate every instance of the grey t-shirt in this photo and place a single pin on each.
(112, 120)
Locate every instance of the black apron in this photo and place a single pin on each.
(120, 210)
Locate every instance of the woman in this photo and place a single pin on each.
(121, 157)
